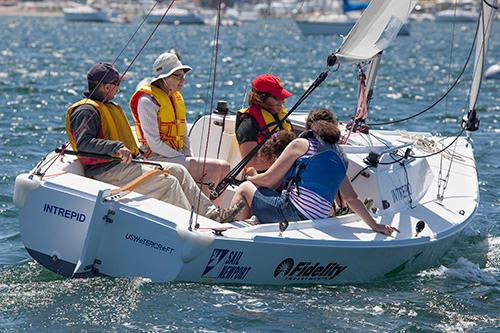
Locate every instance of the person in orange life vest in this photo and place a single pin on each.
(159, 116)
(265, 111)
(318, 168)
(96, 124)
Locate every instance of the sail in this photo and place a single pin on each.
(487, 17)
(377, 27)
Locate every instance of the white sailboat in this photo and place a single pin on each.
(77, 227)
(339, 22)
(90, 12)
(176, 15)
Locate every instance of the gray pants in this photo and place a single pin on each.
(178, 188)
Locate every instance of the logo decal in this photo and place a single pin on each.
(225, 264)
(217, 254)
(149, 243)
(309, 271)
(284, 267)
(63, 212)
(401, 192)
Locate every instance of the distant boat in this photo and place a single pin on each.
(458, 15)
(176, 16)
(88, 13)
(493, 72)
(338, 23)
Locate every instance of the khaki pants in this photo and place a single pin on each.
(178, 188)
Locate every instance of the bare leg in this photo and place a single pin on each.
(245, 192)
(214, 171)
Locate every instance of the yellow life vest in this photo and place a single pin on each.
(114, 126)
(171, 116)
(266, 120)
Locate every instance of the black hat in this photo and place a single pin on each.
(103, 73)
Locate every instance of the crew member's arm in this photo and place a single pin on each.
(274, 175)
(247, 134)
(85, 122)
(147, 110)
(350, 196)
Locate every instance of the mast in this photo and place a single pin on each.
(483, 32)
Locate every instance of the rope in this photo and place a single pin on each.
(361, 111)
(231, 176)
(64, 146)
(490, 5)
(440, 98)
(216, 53)
(442, 150)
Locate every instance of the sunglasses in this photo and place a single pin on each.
(179, 76)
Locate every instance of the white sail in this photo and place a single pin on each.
(377, 27)
(487, 18)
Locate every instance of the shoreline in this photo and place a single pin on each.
(19, 11)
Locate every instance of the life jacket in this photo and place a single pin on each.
(266, 120)
(114, 126)
(321, 173)
(171, 117)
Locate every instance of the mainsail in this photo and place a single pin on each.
(377, 27)
(483, 32)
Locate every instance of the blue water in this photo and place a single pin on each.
(43, 62)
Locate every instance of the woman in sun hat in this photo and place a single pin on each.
(265, 111)
(159, 115)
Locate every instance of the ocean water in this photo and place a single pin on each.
(43, 62)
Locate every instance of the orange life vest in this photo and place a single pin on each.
(171, 116)
(266, 120)
(114, 126)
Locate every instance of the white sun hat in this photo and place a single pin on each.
(166, 64)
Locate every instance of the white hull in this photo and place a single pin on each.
(69, 228)
(311, 27)
(175, 16)
(85, 14)
(493, 72)
(462, 16)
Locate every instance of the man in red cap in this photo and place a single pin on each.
(265, 112)
(95, 124)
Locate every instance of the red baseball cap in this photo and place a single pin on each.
(270, 84)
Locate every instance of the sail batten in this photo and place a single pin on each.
(377, 27)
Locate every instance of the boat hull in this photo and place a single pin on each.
(78, 240)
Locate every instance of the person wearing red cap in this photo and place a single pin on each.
(95, 124)
(314, 169)
(265, 111)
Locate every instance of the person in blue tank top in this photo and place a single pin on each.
(313, 168)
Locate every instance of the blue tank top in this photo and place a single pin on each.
(318, 175)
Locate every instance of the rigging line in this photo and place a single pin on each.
(452, 41)
(445, 185)
(117, 57)
(64, 146)
(239, 167)
(442, 150)
(216, 54)
(207, 92)
(490, 5)
(270, 68)
(440, 98)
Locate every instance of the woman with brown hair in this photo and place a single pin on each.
(314, 168)
(265, 111)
